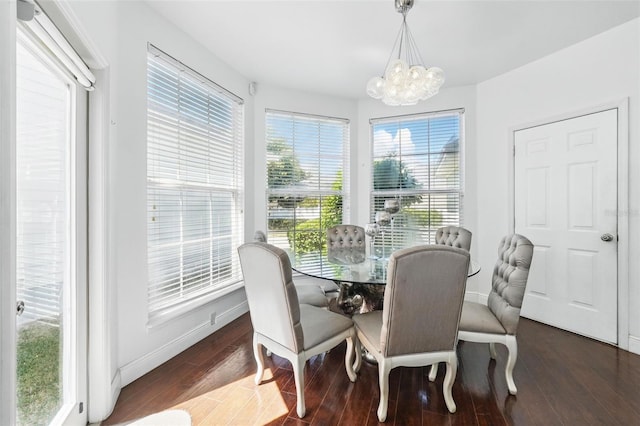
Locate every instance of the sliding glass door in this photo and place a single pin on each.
(51, 204)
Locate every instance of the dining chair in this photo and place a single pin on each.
(454, 236)
(310, 290)
(281, 324)
(425, 286)
(497, 321)
(340, 237)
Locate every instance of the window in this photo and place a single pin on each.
(194, 184)
(307, 178)
(416, 160)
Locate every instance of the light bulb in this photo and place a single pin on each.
(375, 87)
(436, 75)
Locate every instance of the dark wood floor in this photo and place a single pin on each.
(562, 379)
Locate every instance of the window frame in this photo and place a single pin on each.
(321, 194)
(429, 234)
(187, 185)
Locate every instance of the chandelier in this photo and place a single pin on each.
(406, 80)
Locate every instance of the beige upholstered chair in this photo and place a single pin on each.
(281, 324)
(310, 290)
(425, 286)
(346, 244)
(341, 237)
(497, 322)
(454, 236)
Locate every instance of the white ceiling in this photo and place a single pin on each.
(334, 47)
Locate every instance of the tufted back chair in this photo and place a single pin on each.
(345, 236)
(454, 236)
(497, 321)
(510, 279)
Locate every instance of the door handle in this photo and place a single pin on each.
(606, 237)
(19, 307)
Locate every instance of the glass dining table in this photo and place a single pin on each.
(361, 278)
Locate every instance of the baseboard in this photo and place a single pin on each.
(474, 296)
(141, 366)
(634, 344)
(116, 386)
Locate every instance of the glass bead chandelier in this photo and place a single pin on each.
(406, 80)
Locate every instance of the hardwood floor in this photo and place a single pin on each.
(562, 379)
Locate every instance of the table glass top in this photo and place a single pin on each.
(348, 265)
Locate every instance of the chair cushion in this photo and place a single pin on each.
(319, 325)
(326, 285)
(370, 324)
(312, 295)
(478, 318)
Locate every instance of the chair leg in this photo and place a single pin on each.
(383, 379)
(298, 375)
(447, 386)
(512, 348)
(358, 350)
(257, 353)
(492, 350)
(348, 357)
(433, 372)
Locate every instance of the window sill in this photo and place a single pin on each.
(160, 318)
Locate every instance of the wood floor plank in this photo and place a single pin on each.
(562, 379)
(365, 393)
(411, 397)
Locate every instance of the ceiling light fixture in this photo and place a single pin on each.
(406, 80)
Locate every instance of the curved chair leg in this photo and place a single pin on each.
(433, 372)
(298, 375)
(348, 357)
(358, 350)
(383, 379)
(447, 386)
(492, 350)
(257, 354)
(512, 348)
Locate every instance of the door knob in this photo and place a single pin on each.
(606, 237)
(19, 307)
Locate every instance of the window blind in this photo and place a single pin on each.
(308, 177)
(194, 184)
(44, 113)
(417, 160)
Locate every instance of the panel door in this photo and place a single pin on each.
(566, 203)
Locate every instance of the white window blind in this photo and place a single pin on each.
(417, 159)
(194, 184)
(43, 154)
(308, 178)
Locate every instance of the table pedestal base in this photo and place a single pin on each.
(355, 298)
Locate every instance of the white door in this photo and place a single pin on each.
(51, 239)
(566, 204)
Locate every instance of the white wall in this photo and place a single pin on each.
(448, 98)
(594, 72)
(121, 30)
